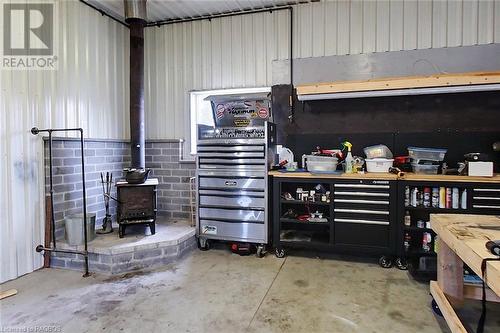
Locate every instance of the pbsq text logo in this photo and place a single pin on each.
(28, 36)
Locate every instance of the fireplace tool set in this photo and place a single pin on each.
(53, 248)
(107, 222)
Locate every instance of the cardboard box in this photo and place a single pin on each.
(483, 169)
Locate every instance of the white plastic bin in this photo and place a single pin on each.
(378, 164)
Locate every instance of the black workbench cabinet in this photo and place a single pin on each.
(361, 216)
(481, 199)
(366, 217)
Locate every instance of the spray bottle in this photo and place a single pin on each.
(348, 159)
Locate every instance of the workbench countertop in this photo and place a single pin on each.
(389, 176)
(377, 176)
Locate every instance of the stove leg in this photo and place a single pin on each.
(152, 228)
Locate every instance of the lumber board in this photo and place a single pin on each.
(450, 274)
(8, 293)
(473, 291)
(406, 82)
(449, 314)
(408, 176)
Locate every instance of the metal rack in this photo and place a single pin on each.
(40, 248)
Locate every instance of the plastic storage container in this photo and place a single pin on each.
(319, 164)
(378, 151)
(427, 154)
(427, 169)
(378, 164)
(73, 225)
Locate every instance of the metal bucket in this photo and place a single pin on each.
(74, 228)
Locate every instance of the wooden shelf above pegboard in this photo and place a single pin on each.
(407, 82)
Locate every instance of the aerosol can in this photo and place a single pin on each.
(348, 159)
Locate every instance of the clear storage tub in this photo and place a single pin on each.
(427, 169)
(319, 164)
(427, 154)
(377, 151)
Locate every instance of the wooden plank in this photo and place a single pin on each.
(7, 293)
(308, 175)
(450, 274)
(440, 80)
(474, 291)
(466, 235)
(390, 176)
(446, 309)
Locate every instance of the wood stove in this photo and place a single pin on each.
(136, 204)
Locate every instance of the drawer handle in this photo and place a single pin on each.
(375, 202)
(361, 211)
(361, 186)
(486, 198)
(485, 207)
(487, 189)
(367, 194)
(361, 221)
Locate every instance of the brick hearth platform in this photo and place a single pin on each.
(138, 250)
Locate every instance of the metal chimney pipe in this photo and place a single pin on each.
(135, 16)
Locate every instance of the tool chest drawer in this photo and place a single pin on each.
(363, 213)
(486, 199)
(362, 233)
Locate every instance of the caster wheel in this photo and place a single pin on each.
(261, 251)
(280, 253)
(203, 244)
(401, 264)
(385, 262)
(435, 308)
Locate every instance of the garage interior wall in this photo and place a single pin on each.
(237, 51)
(89, 90)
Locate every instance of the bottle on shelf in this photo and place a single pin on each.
(407, 241)
(426, 241)
(435, 197)
(427, 197)
(448, 197)
(414, 195)
(455, 198)
(420, 198)
(407, 196)
(407, 219)
(442, 197)
(463, 199)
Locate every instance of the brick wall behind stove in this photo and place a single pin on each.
(100, 156)
(174, 189)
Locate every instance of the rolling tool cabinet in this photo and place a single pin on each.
(360, 215)
(365, 215)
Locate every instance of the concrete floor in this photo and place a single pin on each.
(217, 291)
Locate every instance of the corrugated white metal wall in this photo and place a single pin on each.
(89, 90)
(238, 51)
(222, 53)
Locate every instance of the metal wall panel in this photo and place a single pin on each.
(238, 51)
(229, 52)
(89, 90)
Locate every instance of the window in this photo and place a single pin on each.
(201, 113)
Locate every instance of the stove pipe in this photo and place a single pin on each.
(135, 16)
